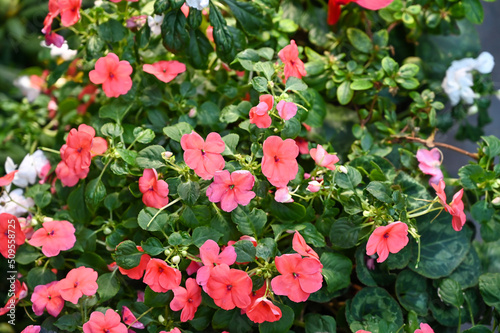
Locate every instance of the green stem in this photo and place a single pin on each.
(470, 310)
(142, 315)
(428, 210)
(50, 150)
(161, 209)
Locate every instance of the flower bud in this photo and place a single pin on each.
(166, 155)
(167, 252)
(314, 186)
(107, 231)
(161, 319)
(270, 84)
(496, 201)
(48, 219)
(342, 169)
(34, 221)
(192, 113)
(176, 260)
(366, 213)
(184, 253)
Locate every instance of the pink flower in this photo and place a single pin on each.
(362, 331)
(231, 189)
(300, 246)
(279, 163)
(52, 38)
(79, 281)
(130, 319)
(47, 297)
(390, 238)
(174, 330)
(113, 74)
(334, 9)
(165, 71)
(229, 287)
(455, 208)
(108, 322)
(289, 55)
(154, 191)
(160, 277)
(136, 273)
(54, 237)
(303, 145)
(70, 11)
(20, 292)
(430, 164)
(32, 329)
(203, 157)
(286, 110)
(314, 186)
(424, 328)
(300, 277)
(283, 195)
(9, 225)
(193, 267)
(259, 115)
(263, 310)
(8, 178)
(322, 158)
(209, 253)
(187, 299)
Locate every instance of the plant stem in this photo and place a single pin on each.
(142, 315)
(431, 143)
(161, 209)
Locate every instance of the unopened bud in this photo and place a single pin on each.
(176, 260)
(472, 110)
(366, 213)
(34, 221)
(161, 319)
(496, 201)
(192, 113)
(166, 155)
(48, 219)
(342, 169)
(258, 271)
(270, 84)
(167, 252)
(184, 253)
(107, 231)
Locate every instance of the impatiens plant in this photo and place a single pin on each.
(249, 166)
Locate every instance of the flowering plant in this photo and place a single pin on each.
(240, 166)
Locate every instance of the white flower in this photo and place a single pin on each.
(198, 4)
(15, 203)
(459, 80)
(64, 51)
(31, 167)
(28, 89)
(154, 23)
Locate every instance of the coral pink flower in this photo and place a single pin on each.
(54, 237)
(69, 176)
(9, 225)
(8, 178)
(47, 297)
(108, 322)
(334, 9)
(32, 329)
(174, 330)
(303, 145)
(136, 273)
(455, 208)
(314, 186)
(160, 277)
(187, 299)
(210, 33)
(165, 71)
(286, 110)
(259, 115)
(203, 157)
(130, 319)
(229, 287)
(283, 195)
(390, 238)
(424, 328)
(300, 277)
(322, 158)
(113, 74)
(154, 191)
(52, 38)
(70, 11)
(300, 246)
(81, 145)
(140, 296)
(231, 189)
(279, 163)
(185, 10)
(193, 267)
(20, 292)
(362, 331)
(289, 55)
(263, 310)
(209, 254)
(430, 164)
(79, 281)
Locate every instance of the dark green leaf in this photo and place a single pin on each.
(359, 40)
(152, 246)
(411, 290)
(127, 255)
(245, 251)
(450, 293)
(249, 223)
(112, 31)
(316, 323)
(94, 193)
(473, 11)
(282, 325)
(266, 248)
(295, 84)
(175, 132)
(489, 285)
(108, 286)
(150, 157)
(336, 270)
(348, 180)
(189, 192)
(173, 30)
(202, 234)
(249, 16)
(40, 275)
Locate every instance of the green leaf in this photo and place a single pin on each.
(189, 191)
(472, 175)
(143, 135)
(380, 190)
(232, 320)
(128, 156)
(287, 212)
(69, 322)
(282, 325)
(156, 300)
(175, 132)
(295, 84)
(173, 30)
(292, 129)
(108, 286)
(223, 38)
(407, 83)
(195, 216)
(251, 19)
(94, 193)
(359, 40)
(259, 83)
(147, 222)
(112, 201)
(202, 234)
(245, 251)
(266, 248)
(348, 180)
(482, 211)
(467, 274)
(478, 329)
(345, 93)
(489, 285)
(317, 323)
(473, 11)
(127, 255)
(344, 232)
(112, 31)
(249, 223)
(26, 254)
(361, 84)
(199, 48)
(150, 157)
(112, 130)
(114, 110)
(390, 66)
(40, 275)
(231, 141)
(336, 270)
(411, 290)
(152, 246)
(408, 70)
(450, 293)
(208, 114)
(229, 114)
(265, 67)
(492, 148)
